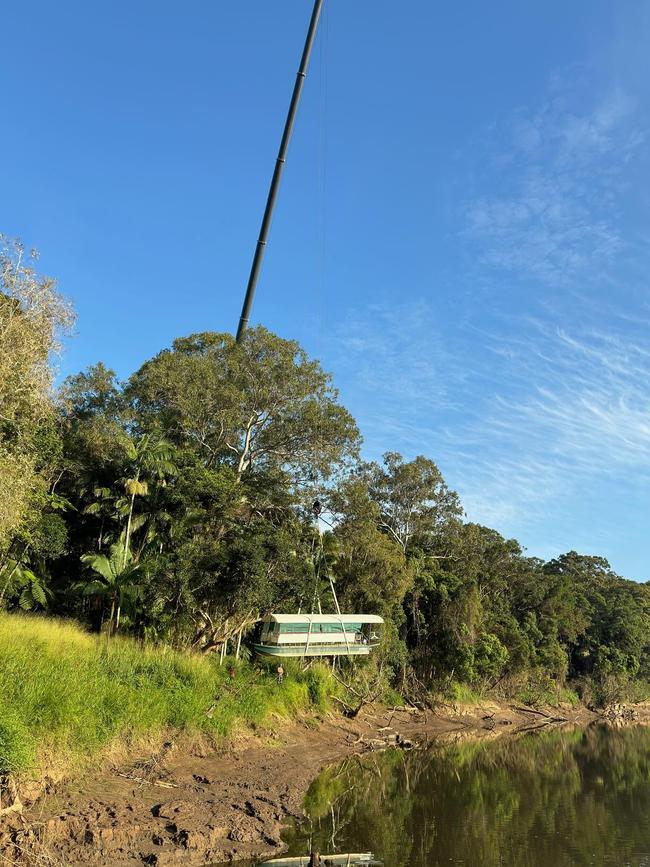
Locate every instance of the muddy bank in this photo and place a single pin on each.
(192, 805)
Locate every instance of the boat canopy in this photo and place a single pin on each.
(323, 618)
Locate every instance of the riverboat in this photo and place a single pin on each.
(301, 635)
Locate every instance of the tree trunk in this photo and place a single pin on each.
(110, 619)
(244, 459)
(128, 529)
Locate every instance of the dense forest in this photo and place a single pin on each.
(178, 506)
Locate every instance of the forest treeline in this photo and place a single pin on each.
(177, 506)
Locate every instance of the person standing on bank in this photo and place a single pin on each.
(280, 674)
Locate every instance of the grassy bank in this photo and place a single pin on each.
(67, 695)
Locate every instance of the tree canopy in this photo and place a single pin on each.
(32, 318)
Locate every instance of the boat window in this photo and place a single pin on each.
(337, 628)
(322, 628)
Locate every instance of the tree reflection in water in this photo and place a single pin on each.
(549, 799)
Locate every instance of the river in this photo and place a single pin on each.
(541, 799)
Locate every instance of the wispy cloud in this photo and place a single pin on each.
(517, 414)
(399, 350)
(561, 173)
(571, 410)
(537, 409)
(531, 422)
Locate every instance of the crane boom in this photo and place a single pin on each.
(277, 172)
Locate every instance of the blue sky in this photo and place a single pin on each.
(462, 234)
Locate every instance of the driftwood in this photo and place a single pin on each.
(541, 713)
(619, 713)
(150, 772)
(385, 742)
(368, 697)
(144, 782)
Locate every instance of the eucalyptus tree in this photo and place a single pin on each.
(256, 405)
(33, 315)
(372, 570)
(416, 507)
(33, 318)
(254, 426)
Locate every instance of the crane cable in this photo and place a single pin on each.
(320, 264)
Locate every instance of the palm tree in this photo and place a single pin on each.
(150, 456)
(104, 507)
(117, 574)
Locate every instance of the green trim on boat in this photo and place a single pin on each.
(288, 650)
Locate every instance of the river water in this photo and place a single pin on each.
(540, 799)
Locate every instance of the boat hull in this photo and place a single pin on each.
(284, 650)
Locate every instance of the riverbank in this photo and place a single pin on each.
(189, 803)
(68, 696)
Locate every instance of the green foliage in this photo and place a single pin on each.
(117, 579)
(462, 693)
(261, 403)
(490, 657)
(319, 685)
(539, 688)
(16, 745)
(21, 584)
(32, 317)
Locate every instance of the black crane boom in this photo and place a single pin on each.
(277, 172)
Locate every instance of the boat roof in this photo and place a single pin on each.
(324, 618)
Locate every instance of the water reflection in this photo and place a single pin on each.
(315, 859)
(550, 799)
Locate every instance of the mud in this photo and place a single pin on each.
(191, 805)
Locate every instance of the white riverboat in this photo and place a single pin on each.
(300, 635)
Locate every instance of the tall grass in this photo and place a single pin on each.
(68, 695)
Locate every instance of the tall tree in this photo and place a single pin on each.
(150, 462)
(32, 317)
(415, 505)
(255, 405)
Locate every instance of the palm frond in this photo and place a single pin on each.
(101, 564)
